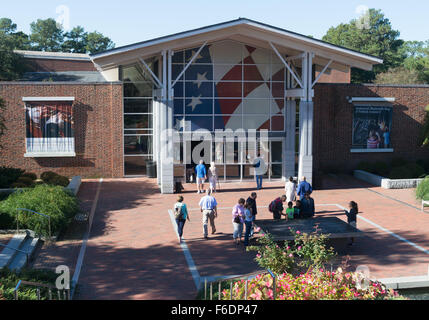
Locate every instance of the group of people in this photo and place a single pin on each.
(298, 199)
(243, 216)
(300, 205)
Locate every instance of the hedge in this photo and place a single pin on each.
(53, 201)
(422, 191)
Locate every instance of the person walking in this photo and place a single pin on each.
(308, 207)
(303, 188)
(352, 217)
(238, 220)
(260, 170)
(212, 175)
(251, 201)
(201, 173)
(181, 215)
(208, 206)
(290, 189)
(248, 222)
(276, 207)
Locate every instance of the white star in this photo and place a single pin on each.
(193, 54)
(201, 78)
(180, 124)
(195, 102)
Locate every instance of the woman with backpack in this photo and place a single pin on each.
(181, 214)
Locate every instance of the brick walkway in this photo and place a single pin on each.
(133, 251)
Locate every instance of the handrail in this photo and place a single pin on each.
(18, 250)
(37, 213)
(231, 279)
(41, 285)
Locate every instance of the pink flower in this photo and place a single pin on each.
(291, 255)
(298, 232)
(299, 248)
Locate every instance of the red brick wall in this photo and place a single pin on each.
(98, 129)
(335, 76)
(333, 120)
(55, 65)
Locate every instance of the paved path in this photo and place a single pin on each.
(133, 250)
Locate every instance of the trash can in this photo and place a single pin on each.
(151, 169)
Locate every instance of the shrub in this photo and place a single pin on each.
(9, 176)
(398, 162)
(47, 176)
(272, 256)
(53, 201)
(316, 285)
(422, 191)
(59, 181)
(28, 182)
(9, 280)
(30, 175)
(409, 171)
(381, 168)
(364, 166)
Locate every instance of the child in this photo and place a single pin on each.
(297, 210)
(290, 211)
(352, 217)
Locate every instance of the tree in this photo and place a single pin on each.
(46, 35)
(80, 41)
(75, 40)
(379, 39)
(417, 59)
(97, 42)
(11, 65)
(425, 131)
(399, 75)
(2, 119)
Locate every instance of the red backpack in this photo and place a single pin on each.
(272, 205)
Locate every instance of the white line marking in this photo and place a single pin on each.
(191, 264)
(79, 262)
(390, 232)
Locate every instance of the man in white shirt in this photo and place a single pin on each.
(208, 205)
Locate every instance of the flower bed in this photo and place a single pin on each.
(315, 285)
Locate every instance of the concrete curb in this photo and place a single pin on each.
(406, 282)
(385, 182)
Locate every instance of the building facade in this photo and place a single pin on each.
(223, 93)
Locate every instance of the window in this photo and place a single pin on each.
(49, 127)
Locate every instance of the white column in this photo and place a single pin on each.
(289, 145)
(306, 110)
(167, 145)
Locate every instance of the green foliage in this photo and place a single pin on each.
(80, 41)
(9, 280)
(272, 256)
(11, 64)
(408, 171)
(380, 40)
(422, 191)
(28, 182)
(46, 35)
(8, 176)
(379, 168)
(54, 179)
(30, 175)
(313, 250)
(315, 285)
(399, 75)
(52, 201)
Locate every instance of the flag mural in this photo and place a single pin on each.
(229, 86)
(49, 127)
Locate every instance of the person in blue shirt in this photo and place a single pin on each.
(303, 188)
(201, 173)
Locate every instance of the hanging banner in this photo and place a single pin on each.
(372, 127)
(50, 128)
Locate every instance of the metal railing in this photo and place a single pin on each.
(17, 250)
(231, 281)
(36, 213)
(61, 294)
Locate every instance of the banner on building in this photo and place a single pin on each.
(50, 128)
(372, 127)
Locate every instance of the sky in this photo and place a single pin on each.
(130, 21)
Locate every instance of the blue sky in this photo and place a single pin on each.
(132, 21)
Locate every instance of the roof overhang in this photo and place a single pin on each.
(246, 31)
